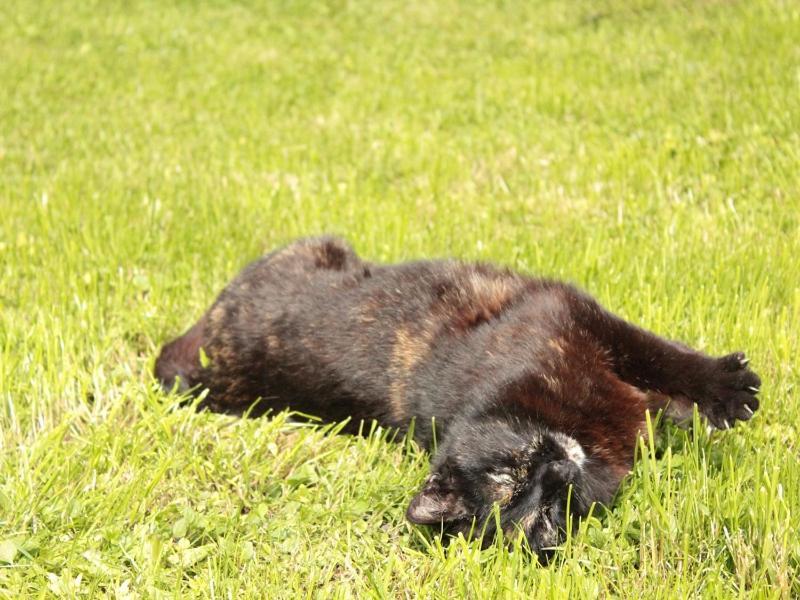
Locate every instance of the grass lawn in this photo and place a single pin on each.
(647, 150)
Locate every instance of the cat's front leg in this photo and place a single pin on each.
(724, 389)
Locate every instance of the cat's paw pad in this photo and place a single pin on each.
(730, 391)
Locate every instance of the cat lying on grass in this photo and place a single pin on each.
(528, 386)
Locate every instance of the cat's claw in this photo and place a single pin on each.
(729, 393)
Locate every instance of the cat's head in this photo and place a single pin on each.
(522, 468)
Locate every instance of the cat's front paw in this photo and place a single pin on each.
(729, 391)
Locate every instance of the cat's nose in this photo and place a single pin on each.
(560, 473)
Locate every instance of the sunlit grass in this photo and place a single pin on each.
(646, 150)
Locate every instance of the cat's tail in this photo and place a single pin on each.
(178, 365)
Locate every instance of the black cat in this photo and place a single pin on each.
(527, 385)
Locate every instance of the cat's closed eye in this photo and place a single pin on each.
(504, 478)
(501, 486)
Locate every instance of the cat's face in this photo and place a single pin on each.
(523, 469)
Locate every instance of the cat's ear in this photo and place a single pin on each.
(438, 501)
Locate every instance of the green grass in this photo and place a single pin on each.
(646, 150)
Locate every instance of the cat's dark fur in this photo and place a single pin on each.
(531, 386)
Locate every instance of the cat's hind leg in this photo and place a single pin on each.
(178, 364)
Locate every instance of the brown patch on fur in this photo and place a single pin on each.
(222, 356)
(312, 345)
(330, 255)
(480, 297)
(217, 315)
(369, 309)
(224, 363)
(291, 251)
(524, 524)
(501, 493)
(552, 383)
(556, 344)
(528, 520)
(410, 347)
(313, 254)
(610, 437)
